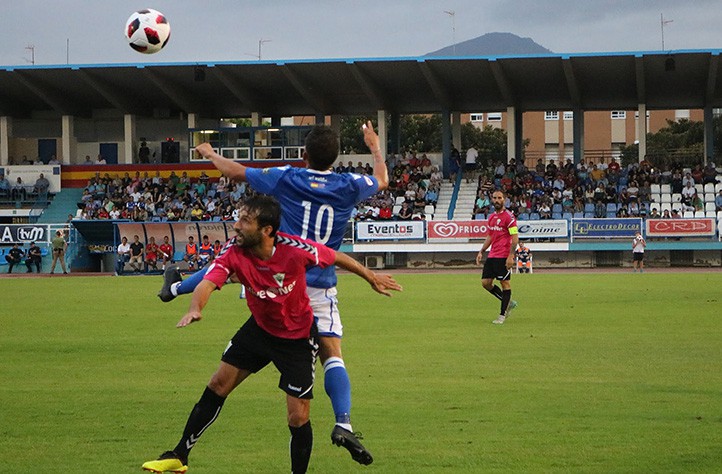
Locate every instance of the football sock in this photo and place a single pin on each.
(301, 445)
(496, 291)
(338, 389)
(190, 283)
(505, 299)
(204, 413)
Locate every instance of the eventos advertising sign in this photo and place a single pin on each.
(680, 227)
(390, 230)
(479, 229)
(458, 229)
(605, 228)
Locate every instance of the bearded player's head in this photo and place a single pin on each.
(258, 218)
(497, 200)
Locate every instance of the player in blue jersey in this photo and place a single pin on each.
(316, 203)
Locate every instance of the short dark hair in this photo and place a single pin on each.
(266, 210)
(322, 147)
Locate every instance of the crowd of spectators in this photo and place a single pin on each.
(414, 185)
(546, 191)
(591, 189)
(176, 198)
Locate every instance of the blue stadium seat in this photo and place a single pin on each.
(567, 215)
(589, 207)
(578, 215)
(534, 216)
(611, 214)
(557, 208)
(480, 217)
(556, 215)
(524, 216)
(588, 215)
(623, 179)
(611, 207)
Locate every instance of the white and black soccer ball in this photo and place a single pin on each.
(147, 31)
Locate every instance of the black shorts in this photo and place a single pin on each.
(638, 256)
(470, 166)
(252, 349)
(496, 268)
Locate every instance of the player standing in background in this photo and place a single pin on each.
(281, 329)
(638, 246)
(317, 204)
(503, 238)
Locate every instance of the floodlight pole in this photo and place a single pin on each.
(662, 23)
(260, 43)
(31, 48)
(452, 14)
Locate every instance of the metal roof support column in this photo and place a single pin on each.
(129, 134)
(320, 119)
(456, 129)
(708, 135)
(514, 134)
(256, 119)
(578, 135)
(336, 124)
(446, 140)
(394, 132)
(382, 131)
(642, 130)
(69, 140)
(6, 131)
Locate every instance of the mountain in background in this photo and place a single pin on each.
(493, 44)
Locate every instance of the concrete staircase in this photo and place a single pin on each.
(64, 203)
(464, 202)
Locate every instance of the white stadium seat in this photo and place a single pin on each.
(665, 206)
(655, 189)
(665, 188)
(718, 186)
(665, 198)
(710, 214)
(688, 214)
(699, 188)
(709, 188)
(708, 197)
(655, 198)
(709, 206)
(699, 215)
(676, 197)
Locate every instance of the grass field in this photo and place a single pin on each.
(605, 373)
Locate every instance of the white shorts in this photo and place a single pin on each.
(325, 311)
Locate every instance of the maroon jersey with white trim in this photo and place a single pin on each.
(500, 230)
(275, 288)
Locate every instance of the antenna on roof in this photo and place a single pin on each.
(663, 23)
(452, 14)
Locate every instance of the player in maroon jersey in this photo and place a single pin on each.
(503, 238)
(281, 329)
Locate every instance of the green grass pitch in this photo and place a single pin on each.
(592, 373)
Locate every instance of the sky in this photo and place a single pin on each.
(91, 32)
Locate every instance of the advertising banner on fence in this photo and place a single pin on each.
(390, 230)
(543, 229)
(605, 228)
(479, 229)
(680, 227)
(24, 233)
(458, 229)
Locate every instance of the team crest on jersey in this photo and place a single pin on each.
(317, 185)
(279, 278)
(266, 170)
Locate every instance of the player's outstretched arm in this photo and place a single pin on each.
(200, 297)
(381, 173)
(230, 168)
(381, 283)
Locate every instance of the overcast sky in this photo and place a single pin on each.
(230, 30)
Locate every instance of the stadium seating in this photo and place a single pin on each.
(709, 188)
(665, 188)
(557, 208)
(589, 207)
(611, 207)
(665, 206)
(534, 216)
(699, 215)
(665, 198)
(709, 206)
(654, 189)
(688, 214)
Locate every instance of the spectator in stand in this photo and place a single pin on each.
(688, 192)
(432, 195)
(688, 179)
(136, 254)
(88, 160)
(41, 185)
(633, 208)
(545, 211)
(654, 214)
(613, 166)
(698, 174)
(385, 212)
(14, 256)
(710, 174)
(598, 175)
(666, 214)
(18, 192)
(4, 185)
(151, 254)
(697, 204)
(165, 252)
(196, 213)
(405, 213)
(718, 201)
(100, 160)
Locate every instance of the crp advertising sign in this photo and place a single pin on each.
(458, 229)
(605, 228)
(680, 227)
(401, 230)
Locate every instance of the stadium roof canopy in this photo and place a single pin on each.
(606, 81)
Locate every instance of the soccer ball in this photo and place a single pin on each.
(147, 31)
